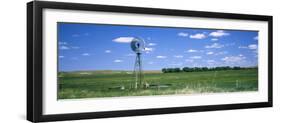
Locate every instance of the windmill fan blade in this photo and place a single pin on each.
(137, 45)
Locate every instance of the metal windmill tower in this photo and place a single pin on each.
(137, 46)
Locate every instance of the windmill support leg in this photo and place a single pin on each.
(135, 84)
(138, 72)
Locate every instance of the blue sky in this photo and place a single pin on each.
(107, 47)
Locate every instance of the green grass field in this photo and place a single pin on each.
(92, 84)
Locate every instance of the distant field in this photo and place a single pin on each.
(91, 84)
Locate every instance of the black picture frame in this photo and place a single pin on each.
(35, 69)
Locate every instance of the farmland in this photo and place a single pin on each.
(107, 83)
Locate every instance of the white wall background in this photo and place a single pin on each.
(13, 61)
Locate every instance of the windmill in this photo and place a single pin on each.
(138, 46)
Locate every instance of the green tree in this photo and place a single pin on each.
(164, 70)
(176, 70)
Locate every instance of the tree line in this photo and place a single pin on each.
(199, 69)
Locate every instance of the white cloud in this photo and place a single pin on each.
(75, 35)
(242, 47)
(130, 54)
(189, 60)
(192, 51)
(214, 39)
(176, 64)
(85, 54)
(183, 34)
(221, 53)
(214, 45)
(178, 56)
(210, 53)
(61, 56)
(195, 57)
(218, 33)
(148, 49)
(107, 51)
(62, 43)
(161, 57)
(253, 46)
(64, 48)
(233, 59)
(118, 61)
(198, 36)
(256, 38)
(123, 39)
(230, 44)
(75, 47)
(152, 44)
(211, 61)
(150, 62)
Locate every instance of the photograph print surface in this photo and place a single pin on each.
(103, 60)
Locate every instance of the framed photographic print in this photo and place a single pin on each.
(95, 61)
